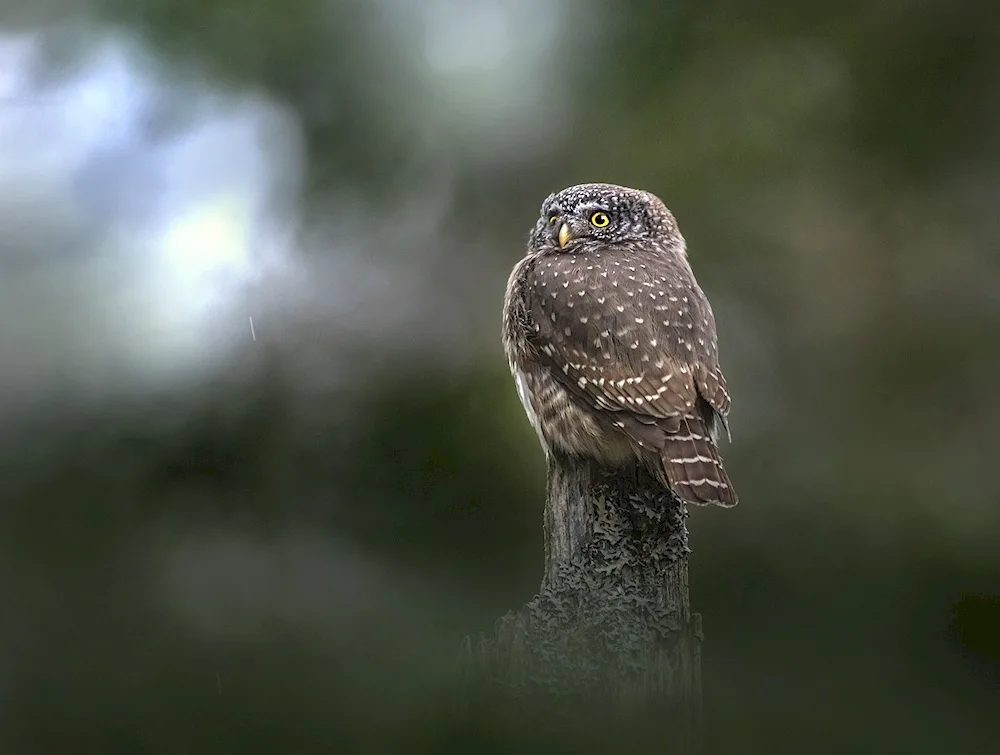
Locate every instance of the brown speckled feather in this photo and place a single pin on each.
(614, 349)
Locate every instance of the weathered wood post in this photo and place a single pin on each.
(612, 620)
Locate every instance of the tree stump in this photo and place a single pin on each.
(612, 621)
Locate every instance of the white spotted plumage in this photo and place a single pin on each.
(611, 377)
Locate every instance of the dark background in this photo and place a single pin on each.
(275, 543)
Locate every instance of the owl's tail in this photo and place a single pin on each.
(693, 466)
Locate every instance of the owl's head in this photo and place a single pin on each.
(588, 216)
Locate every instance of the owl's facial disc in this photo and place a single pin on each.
(594, 216)
(565, 226)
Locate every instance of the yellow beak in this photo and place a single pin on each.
(564, 235)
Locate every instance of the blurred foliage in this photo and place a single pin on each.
(254, 567)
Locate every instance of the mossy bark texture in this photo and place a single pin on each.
(612, 620)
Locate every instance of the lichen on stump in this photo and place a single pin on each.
(612, 619)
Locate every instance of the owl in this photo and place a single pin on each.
(612, 342)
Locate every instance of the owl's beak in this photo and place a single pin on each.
(564, 235)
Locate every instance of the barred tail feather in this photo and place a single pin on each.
(693, 466)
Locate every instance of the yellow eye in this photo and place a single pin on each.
(552, 219)
(599, 219)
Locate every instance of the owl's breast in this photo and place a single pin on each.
(563, 423)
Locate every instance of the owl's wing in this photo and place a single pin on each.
(614, 353)
(709, 380)
(662, 390)
(640, 356)
(712, 387)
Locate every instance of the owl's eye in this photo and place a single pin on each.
(553, 218)
(599, 219)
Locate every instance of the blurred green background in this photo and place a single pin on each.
(263, 465)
